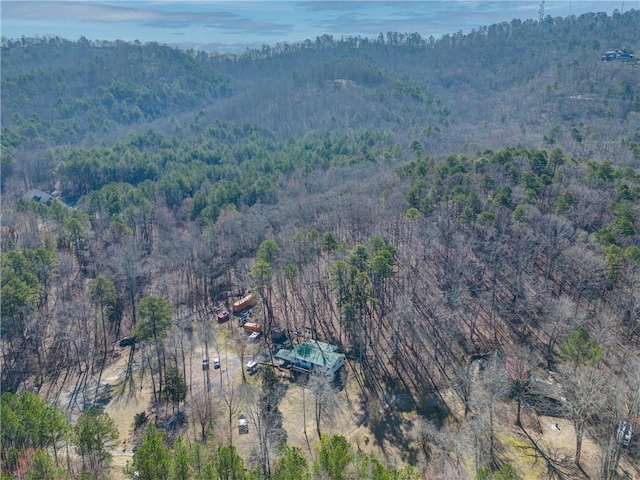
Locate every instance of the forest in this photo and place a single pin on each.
(457, 217)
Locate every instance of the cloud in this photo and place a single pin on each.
(167, 23)
(333, 5)
(79, 11)
(432, 17)
(154, 14)
(244, 26)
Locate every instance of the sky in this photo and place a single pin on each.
(234, 26)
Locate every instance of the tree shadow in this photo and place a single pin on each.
(104, 396)
(558, 465)
(389, 416)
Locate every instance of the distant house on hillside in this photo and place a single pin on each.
(38, 196)
(618, 54)
(312, 354)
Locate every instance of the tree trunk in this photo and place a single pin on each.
(304, 417)
(491, 439)
(318, 418)
(579, 435)
(104, 354)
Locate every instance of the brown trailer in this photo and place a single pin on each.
(252, 327)
(245, 302)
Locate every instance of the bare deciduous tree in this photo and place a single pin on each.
(462, 383)
(519, 363)
(326, 404)
(493, 386)
(559, 321)
(266, 417)
(427, 437)
(582, 388)
(203, 412)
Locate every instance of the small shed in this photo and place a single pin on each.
(312, 354)
(624, 433)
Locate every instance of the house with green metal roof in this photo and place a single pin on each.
(312, 354)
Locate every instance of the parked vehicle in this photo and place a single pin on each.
(245, 302)
(216, 363)
(254, 336)
(205, 362)
(222, 316)
(252, 366)
(243, 426)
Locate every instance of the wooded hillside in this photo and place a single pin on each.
(459, 217)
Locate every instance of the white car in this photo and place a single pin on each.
(254, 336)
(216, 362)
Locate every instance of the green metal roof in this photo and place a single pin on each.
(312, 351)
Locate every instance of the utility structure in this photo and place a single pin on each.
(541, 10)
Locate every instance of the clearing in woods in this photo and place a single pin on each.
(371, 426)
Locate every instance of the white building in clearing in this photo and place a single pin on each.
(312, 354)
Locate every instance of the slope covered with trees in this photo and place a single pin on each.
(459, 216)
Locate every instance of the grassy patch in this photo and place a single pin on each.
(523, 457)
